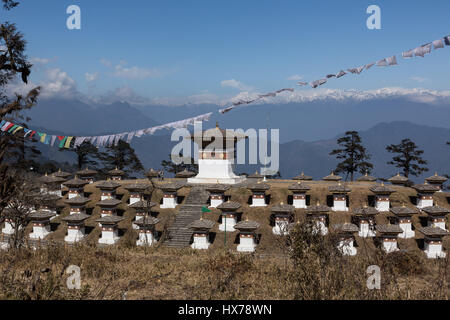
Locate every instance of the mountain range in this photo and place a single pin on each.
(308, 131)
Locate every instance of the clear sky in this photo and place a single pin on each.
(212, 47)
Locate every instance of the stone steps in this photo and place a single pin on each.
(179, 235)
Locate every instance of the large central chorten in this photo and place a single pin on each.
(216, 156)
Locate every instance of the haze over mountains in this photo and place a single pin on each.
(308, 130)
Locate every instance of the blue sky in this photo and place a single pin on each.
(177, 49)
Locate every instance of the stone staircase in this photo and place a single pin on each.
(179, 235)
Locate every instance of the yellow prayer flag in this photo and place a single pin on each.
(17, 129)
(67, 145)
(43, 137)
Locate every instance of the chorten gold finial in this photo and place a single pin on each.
(435, 174)
(217, 124)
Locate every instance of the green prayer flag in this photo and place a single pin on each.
(205, 209)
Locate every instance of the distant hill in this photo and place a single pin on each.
(312, 121)
(307, 121)
(313, 157)
(74, 117)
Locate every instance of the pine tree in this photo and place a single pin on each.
(87, 154)
(172, 167)
(409, 158)
(121, 156)
(354, 155)
(13, 65)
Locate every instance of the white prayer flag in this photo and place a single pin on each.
(317, 83)
(341, 74)
(407, 54)
(368, 66)
(392, 60)
(419, 52)
(427, 48)
(438, 44)
(382, 63)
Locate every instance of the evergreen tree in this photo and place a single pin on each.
(121, 156)
(409, 158)
(87, 154)
(354, 155)
(171, 167)
(14, 66)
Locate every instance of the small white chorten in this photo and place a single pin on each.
(108, 189)
(229, 215)
(436, 216)
(283, 216)
(365, 218)
(404, 220)
(388, 237)
(75, 227)
(142, 209)
(76, 187)
(247, 236)
(216, 194)
(147, 231)
(425, 194)
(382, 194)
(258, 194)
(346, 238)
(201, 234)
(433, 242)
(318, 214)
(136, 191)
(170, 195)
(110, 232)
(41, 224)
(299, 191)
(339, 192)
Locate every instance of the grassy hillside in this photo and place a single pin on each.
(278, 193)
(126, 271)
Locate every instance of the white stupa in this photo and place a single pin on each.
(215, 164)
